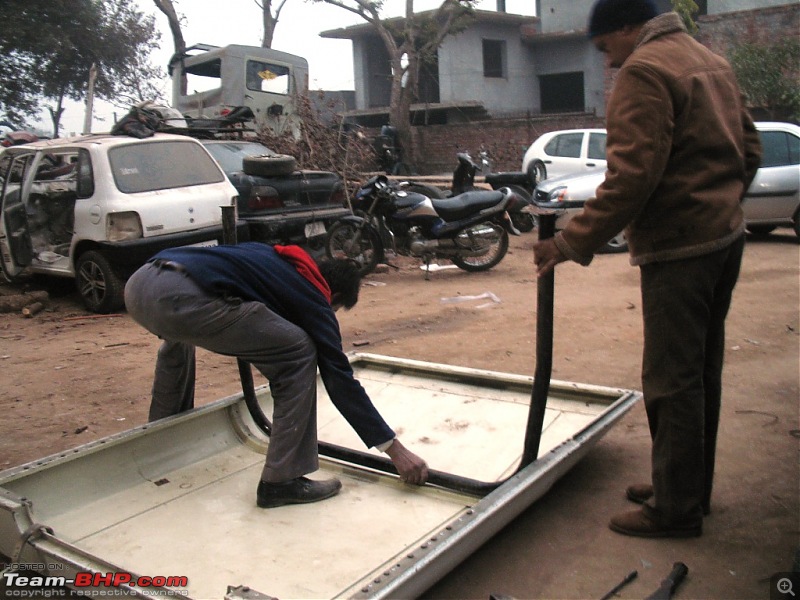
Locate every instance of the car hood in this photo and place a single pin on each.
(584, 181)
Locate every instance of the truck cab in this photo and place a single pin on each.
(209, 81)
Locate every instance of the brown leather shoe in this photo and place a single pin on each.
(636, 523)
(295, 491)
(639, 493)
(642, 492)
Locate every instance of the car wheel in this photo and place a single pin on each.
(615, 245)
(760, 230)
(537, 172)
(100, 287)
(269, 165)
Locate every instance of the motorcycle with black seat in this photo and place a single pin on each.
(464, 181)
(470, 229)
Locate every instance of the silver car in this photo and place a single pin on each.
(773, 199)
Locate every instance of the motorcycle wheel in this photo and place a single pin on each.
(485, 261)
(523, 221)
(362, 245)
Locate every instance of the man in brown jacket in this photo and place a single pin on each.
(681, 152)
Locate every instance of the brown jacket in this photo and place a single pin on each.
(681, 152)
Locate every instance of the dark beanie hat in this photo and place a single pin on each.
(612, 15)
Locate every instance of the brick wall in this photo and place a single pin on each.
(504, 140)
(763, 26)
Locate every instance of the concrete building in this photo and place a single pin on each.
(503, 65)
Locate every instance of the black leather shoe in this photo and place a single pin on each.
(295, 491)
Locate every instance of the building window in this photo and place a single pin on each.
(562, 92)
(494, 58)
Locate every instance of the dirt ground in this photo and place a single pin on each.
(71, 377)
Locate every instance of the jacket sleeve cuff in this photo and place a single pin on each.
(385, 445)
(569, 252)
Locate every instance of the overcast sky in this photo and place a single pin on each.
(330, 62)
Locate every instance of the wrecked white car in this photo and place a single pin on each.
(96, 207)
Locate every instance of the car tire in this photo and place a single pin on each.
(537, 172)
(269, 165)
(99, 285)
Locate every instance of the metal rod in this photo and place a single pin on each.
(544, 351)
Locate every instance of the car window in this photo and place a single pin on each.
(597, 146)
(566, 144)
(779, 149)
(267, 77)
(162, 165)
(230, 155)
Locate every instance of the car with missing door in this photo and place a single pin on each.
(771, 201)
(94, 208)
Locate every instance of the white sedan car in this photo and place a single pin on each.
(565, 152)
(773, 199)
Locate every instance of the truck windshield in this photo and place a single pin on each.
(162, 165)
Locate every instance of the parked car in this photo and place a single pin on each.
(279, 203)
(95, 208)
(771, 201)
(565, 152)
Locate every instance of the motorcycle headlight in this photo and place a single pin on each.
(123, 226)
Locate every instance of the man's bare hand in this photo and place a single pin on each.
(546, 256)
(411, 467)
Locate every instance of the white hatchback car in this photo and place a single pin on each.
(771, 201)
(565, 152)
(97, 207)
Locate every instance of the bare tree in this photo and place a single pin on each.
(270, 20)
(166, 7)
(410, 42)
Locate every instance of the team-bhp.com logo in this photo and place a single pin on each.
(18, 585)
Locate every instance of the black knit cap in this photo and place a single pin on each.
(612, 15)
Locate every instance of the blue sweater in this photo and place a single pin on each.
(254, 271)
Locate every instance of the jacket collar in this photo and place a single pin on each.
(669, 22)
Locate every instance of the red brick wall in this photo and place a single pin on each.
(763, 26)
(504, 140)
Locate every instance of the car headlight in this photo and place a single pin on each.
(123, 226)
(559, 194)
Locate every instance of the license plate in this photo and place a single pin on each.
(314, 229)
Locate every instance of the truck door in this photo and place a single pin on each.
(15, 237)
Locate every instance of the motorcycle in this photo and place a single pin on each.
(470, 229)
(389, 153)
(464, 181)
